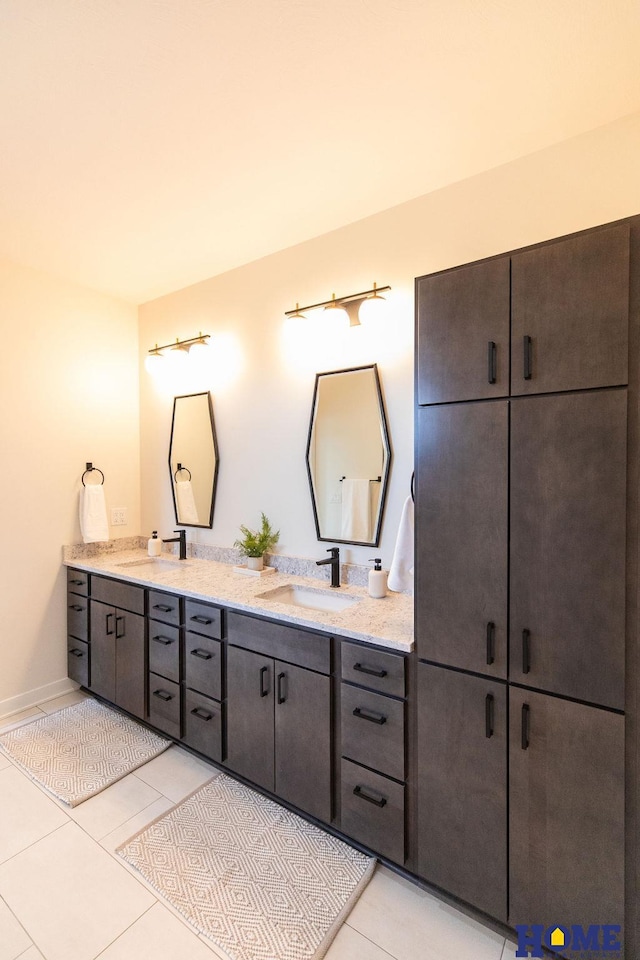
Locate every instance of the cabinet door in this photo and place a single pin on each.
(566, 812)
(571, 300)
(103, 650)
(463, 333)
(303, 739)
(130, 665)
(250, 730)
(568, 515)
(462, 786)
(461, 536)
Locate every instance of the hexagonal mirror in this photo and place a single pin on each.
(193, 460)
(348, 456)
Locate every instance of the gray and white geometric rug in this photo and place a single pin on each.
(77, 752)
(259, 881)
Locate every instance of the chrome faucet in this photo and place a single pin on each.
(334, 560)
(182, 540)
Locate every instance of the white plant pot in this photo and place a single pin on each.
(255, 563)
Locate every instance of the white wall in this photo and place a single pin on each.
(68, 394)
(262, 397)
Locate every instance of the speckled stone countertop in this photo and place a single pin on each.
(387, 622)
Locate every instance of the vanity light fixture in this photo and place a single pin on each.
(176, 353)
(353, 305)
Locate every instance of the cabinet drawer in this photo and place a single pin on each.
(203, 665)
(78, 661)
(203, 725)
(164, 705)
(164, 650)
(118, 594)
(373, 730)
(373, 668)
(78, 617)
(373, 811)
(203, 618)
(301, 647)
(164, 606)
(78, 581)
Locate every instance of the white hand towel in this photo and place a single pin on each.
(401, 572)
(187, 510)
(93, 514)
(356, 510)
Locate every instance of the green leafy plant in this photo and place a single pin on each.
(255, 543)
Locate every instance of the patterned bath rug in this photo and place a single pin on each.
(256, 879)
(77, 752)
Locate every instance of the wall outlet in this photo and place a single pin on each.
(118, 516)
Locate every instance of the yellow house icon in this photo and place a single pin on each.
(557, 938)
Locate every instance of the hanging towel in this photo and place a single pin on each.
(93, 514)
(401, 572)
(356, 510)
(187, 510)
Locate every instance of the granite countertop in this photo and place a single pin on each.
(387, 622)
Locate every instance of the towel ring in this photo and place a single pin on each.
(413, 487)
(180, 468)
(90, 469)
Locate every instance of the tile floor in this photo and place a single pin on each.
(64, 895)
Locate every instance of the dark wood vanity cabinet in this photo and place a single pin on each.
(556, 314)
(78, 626)
(279, 711)
(570, 313)
(165, 662)
(373, 747)
(568, 483)
(566, 812)
(526, 530)
(117, 641)
(203, 679)
(463, 336)
(462, 740)
(462, 457)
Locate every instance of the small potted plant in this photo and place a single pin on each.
(255, 543)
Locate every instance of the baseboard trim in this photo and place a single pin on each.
(33, 697)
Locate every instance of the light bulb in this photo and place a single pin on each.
(154, 363)
(200, 350)
(177, 358)
(372, 308)
(336, 313)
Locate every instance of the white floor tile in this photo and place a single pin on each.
(4, 760)
(19, 719)
(126, 830)
(176, 773)
(66, 700)
(71, 895)
(31, 954)
(112, 807)
(158, 935)
(408, 922)
(13, 939)
(26, 813)
(351, 945)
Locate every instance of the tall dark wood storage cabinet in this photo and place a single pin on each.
(526, 585)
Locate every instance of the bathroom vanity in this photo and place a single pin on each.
(308, 705)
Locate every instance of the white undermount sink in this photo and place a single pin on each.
(158, 562)
(309, 598)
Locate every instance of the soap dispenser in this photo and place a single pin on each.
(377, 580)
(154, 546)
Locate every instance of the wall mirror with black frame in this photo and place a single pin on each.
(193, 460)
(348, 455)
